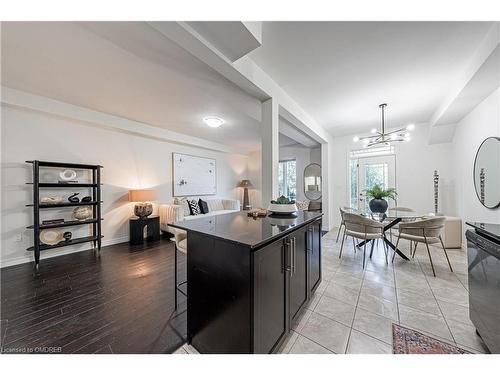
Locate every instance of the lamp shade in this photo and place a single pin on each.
(245, 183)
(141, 195)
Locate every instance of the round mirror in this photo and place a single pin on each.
(312, 182)
(487, 172)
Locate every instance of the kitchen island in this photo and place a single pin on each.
(248, 279)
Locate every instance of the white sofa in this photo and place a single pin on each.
(171, 213)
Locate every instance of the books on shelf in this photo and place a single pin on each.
(53, 221)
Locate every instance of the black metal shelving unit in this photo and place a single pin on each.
(95, 221)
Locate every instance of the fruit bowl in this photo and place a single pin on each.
(282, 209)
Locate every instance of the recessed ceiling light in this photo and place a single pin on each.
(410, 127)
(355, 139)
(213, 121)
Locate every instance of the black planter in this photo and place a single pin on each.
(378, 205)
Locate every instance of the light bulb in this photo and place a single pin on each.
(407, 139)
(366, 141)
(410, 127)
(213, 121)
(356, 139)
(373, 131)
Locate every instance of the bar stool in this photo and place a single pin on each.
(180, 245)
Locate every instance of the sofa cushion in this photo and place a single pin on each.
(185, 206)
(193, 206)
(215, 205)
(203, 207)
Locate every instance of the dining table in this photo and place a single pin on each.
(390, 218)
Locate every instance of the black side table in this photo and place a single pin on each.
(137, 229)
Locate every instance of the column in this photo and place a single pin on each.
(270, 150)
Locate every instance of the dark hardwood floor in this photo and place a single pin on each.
(121, 301)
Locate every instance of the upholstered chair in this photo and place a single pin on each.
(426, 231)
(362, 228)
(180, 237)
(342, 210)
(400, 209)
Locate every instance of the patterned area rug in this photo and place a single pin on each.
(409, 341)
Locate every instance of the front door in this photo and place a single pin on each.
(367, 172)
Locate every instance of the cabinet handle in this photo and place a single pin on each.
(287, 255)
(294, 254)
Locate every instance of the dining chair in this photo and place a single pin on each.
(180, 237)
(362, 228)
(426, 231)
(342, 210)
(400, 209)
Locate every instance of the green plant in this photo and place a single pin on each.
(283, 200)
(376, 192)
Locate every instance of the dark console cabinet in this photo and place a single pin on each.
(244, 299)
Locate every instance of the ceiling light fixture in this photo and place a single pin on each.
(213, 121)
(383, 137)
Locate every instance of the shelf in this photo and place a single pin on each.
(65, 243)
(64, 165)
(57, 185)
(66, 204)
(65, 224)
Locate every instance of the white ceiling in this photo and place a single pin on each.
(130, 70)
(340, 71)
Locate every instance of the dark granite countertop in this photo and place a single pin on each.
(492, 230)
(240, 228)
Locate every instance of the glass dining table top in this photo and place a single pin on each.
(389, 214)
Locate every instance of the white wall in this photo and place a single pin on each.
(255, 177)
(415, 165)
(480, 123)
(130, 161)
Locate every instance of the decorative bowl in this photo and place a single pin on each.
(282, 209)
(82, 213)
(51, 236)
(67, 175)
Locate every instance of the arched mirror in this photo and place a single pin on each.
(312, 182)
(487, 172)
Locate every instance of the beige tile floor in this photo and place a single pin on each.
(353, 309)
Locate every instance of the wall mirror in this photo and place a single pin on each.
(487, 172)
(312, 182)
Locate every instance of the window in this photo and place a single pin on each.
(287, 179)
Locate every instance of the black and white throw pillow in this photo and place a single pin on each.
(203, 206)
(193, 206)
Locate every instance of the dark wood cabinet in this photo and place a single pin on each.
(270, 287)
(298, 290)
(244, 299)
(314, 253)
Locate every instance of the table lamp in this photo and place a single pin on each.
(245, 184)
(143, 208)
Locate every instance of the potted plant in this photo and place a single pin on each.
(282, 206)
(378, 204)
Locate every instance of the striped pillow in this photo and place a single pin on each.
(194, 207)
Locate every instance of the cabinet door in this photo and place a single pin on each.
(298, 272)
(314, 250)
(270, 286)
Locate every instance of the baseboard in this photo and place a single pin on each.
(28, 257)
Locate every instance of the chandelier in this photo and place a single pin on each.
(382, 137)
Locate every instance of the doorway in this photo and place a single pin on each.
(366, 172)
